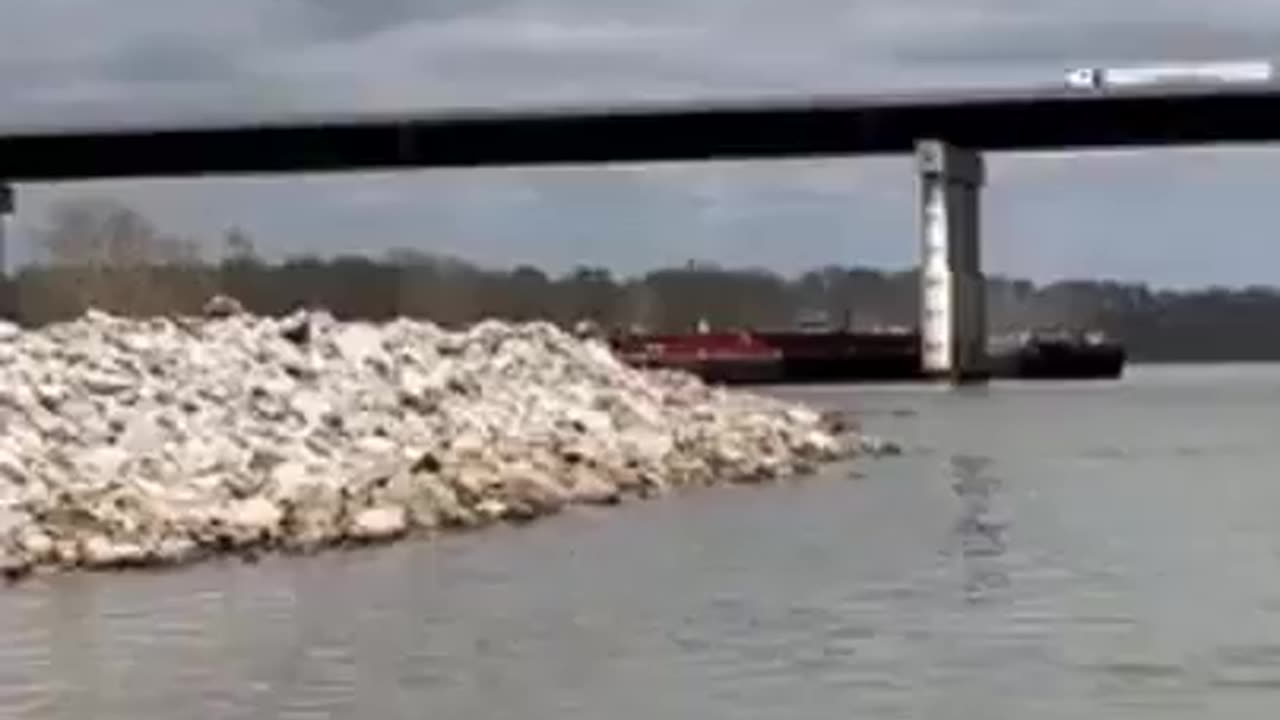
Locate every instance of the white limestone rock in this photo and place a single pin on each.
(221, 306)
(98, 551)
(126, 442)
(379, 524)
(255, 515)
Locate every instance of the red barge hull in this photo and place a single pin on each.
(779, 357)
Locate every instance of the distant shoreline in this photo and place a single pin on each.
(1224, 361)
(153, 272)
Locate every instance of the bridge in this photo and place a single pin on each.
(947, 132)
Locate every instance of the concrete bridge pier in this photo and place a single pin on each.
(6, 209)
(953, 320)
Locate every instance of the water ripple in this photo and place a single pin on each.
(1100, 554)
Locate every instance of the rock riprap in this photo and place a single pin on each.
(139, 442)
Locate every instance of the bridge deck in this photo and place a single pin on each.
(993, 120)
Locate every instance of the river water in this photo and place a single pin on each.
(1039, 551)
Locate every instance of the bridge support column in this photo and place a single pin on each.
(6, 209)
(953, 327)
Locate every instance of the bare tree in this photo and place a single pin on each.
(240, 247)
(102, 253)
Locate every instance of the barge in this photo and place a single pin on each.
(1057, 355)
(845, 356)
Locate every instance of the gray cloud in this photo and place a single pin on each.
(94, 61)
(1132, 40)
(339, 19)
(172, 60)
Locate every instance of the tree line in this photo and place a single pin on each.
(98, 253)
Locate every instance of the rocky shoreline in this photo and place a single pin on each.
(133, 443)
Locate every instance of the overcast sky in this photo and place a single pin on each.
(1171, 218)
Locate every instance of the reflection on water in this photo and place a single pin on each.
(1046, 551)
(980, 527)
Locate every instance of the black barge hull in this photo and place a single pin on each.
(854, 357)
